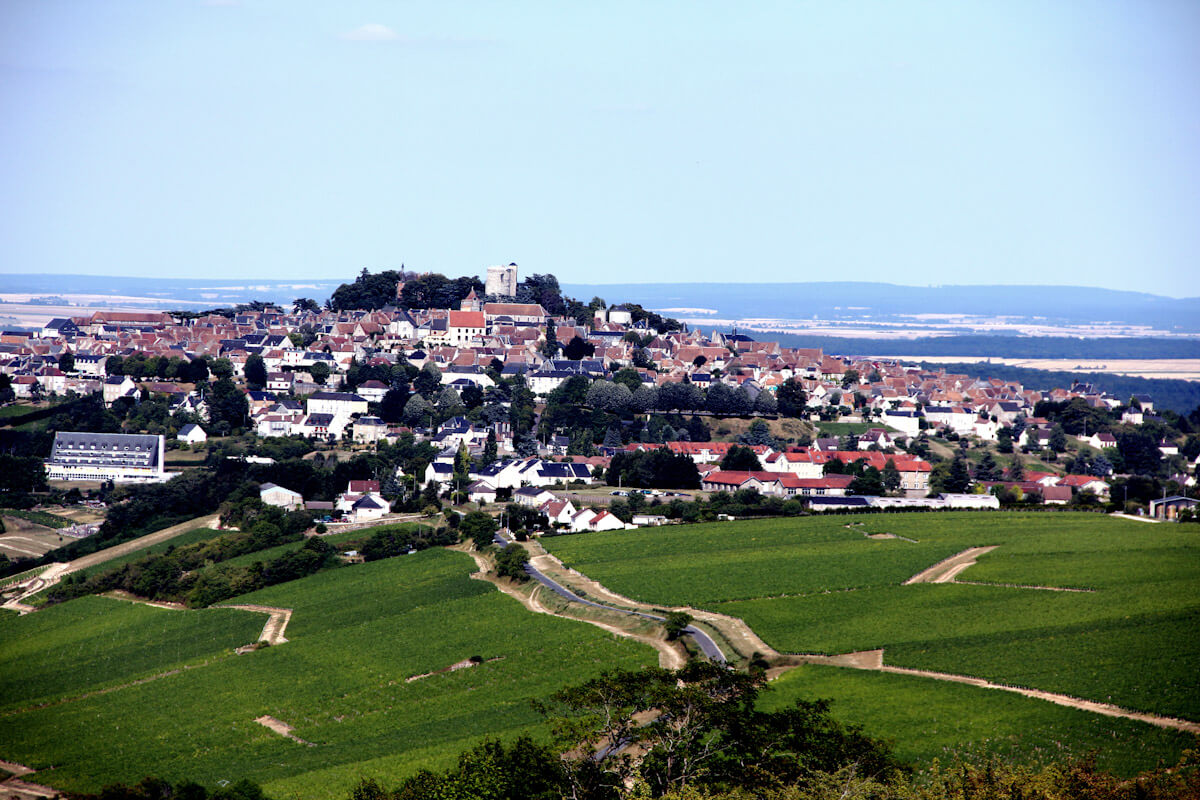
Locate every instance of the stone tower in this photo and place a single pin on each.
(502, 281)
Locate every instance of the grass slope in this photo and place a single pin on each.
(925, 719)
(813, 585)
(356, 634)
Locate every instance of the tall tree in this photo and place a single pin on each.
(256, 371)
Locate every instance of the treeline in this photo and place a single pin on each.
(183, 574)
(993, 346)
(373, 291)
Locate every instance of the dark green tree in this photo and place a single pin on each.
(256, 371)
(480, 528)
(741, 459)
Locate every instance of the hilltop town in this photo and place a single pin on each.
(515, 386)
(705, 501)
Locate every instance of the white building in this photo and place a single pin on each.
(192, 434)
(117, 457)
(275, 495)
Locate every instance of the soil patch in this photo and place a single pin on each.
(282, 728)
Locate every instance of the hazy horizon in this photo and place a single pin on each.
(928, 144)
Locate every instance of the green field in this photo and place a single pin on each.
(925, 719)
(815, 586)
(356, 633)
(840, 429)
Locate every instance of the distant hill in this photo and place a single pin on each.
(990, 346)
(883, 301)
(213, 292)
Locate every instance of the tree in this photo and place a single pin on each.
(66, 361)
(391, 407)
(227, 403)
(676, 623)
(759, 433)
(479, 528)
(868, 482)
(741, 459)
(1016, 469)
(491, 451)
(416, 411)
(511, 561)
(221, 368)
(428, 380)
(765, 403)
(850, 378)
(1004, 440)
(988, 469)
(791, 398)
(1058, 439)
(891, 476)
(305, 304)
(320, 373)
(577, 349)
(256, 371)
(550, 346)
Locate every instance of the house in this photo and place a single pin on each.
(368, 430)
(605, 521)
(465, 327)
(481, 492)
(532, 496)
(192, 434)
(361, 501)
(1102, 440)
(559, 512)
(372, 391)
(582, 520)
(1086, 483)
(336, 404)
(970, 501)
(118, 386)
(275, 495)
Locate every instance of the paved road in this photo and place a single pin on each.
(707, 645)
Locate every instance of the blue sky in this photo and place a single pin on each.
(917, 143)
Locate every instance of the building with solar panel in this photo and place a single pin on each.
(117, 457)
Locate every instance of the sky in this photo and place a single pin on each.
(922, 143)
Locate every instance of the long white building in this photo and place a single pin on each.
(116, 457)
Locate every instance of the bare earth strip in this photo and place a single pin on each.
(282, 728)
(944, 571)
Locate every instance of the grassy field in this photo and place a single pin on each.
(95, 642)
(356, 634)
(848, 428)
(925, 719)
(815, 586)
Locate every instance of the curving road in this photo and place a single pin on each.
(707, 645)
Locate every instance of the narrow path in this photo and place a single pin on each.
(945, 570)
(277, 622)
(669, 656)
